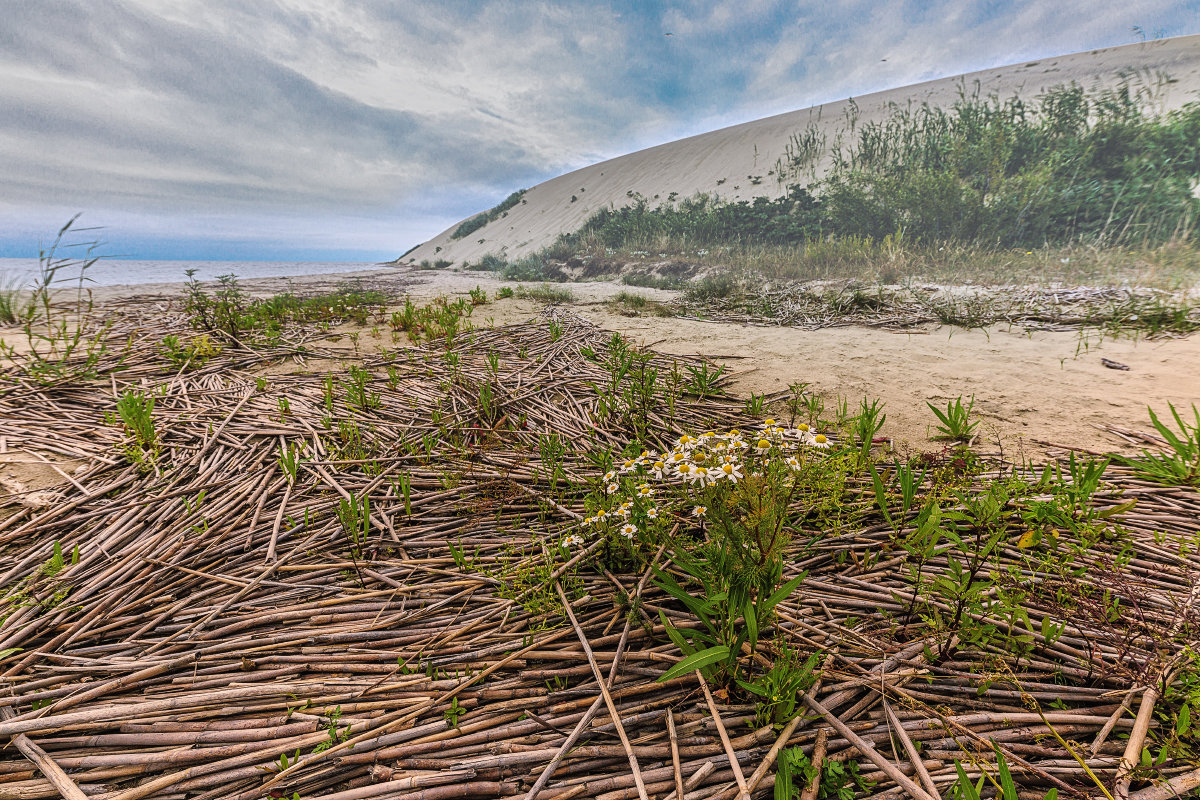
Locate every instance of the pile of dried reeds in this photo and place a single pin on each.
(222, 635)
(840, 304)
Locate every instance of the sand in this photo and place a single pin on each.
(728, 162)
(1034, 391)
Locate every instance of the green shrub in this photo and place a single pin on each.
(491, 263)
(479, 220)
(532, 268)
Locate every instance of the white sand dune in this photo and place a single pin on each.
(727, 162)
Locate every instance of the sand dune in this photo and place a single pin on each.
(734, 162)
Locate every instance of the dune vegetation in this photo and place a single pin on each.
(1070, 188)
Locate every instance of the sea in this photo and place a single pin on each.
(113, 272)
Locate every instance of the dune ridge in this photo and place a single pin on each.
(734, 162)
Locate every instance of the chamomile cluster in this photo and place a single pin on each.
(645, 493)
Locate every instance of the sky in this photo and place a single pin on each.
(321, 130)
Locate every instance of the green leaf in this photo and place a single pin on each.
(696, 661)
(1006, 780)
(10, 651)
(1184, 720)
(670, 586)
(675, 636)
(751, 621)
(967, 790)
(782, 593)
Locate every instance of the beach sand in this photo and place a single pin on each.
(1033, 390)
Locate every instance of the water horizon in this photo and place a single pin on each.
(117, 272)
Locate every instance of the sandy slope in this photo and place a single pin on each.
(726, 161)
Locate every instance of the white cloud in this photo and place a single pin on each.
(428, 110)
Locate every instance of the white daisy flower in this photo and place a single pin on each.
(609, 477)
(652, 512)
(611, 488)
(762, 446)
(819, 440)
(573, 540)
(628, 530)
(658, 470)
(699, 511)
(793, 462)
(731, 472)
(645, 491)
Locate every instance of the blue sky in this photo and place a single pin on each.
(324, 130)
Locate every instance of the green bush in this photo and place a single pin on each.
(479, 220)
(532, 268)
(1063, 169)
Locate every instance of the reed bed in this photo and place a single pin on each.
(205, 627)
(828, 304)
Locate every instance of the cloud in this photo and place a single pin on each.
(385, 118)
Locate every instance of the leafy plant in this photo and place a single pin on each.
(868, 422)
(59, 345)
(289, 461)
(778, 688)
(354, 513)
(452, 713)
(188, 355)
(135, 410)
(840, 780)
(1180, 465)
(704, 381)
(955, 421)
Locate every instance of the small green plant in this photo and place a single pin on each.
(955, 422)
(478, 296)
(868, 422)
(754, 404)
(337, 735)
(778, 688)
(289, 461)
(504, 293)
(452, 713)
(12, 310)
(354, 513)
(188, 355)
(704, 381)
(135, 411)
(545, 294)
(285, 761)
(1180, 465)
(358, 392)
(840, 780)
(59, 344)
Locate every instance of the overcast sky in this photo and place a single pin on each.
(327, 130)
